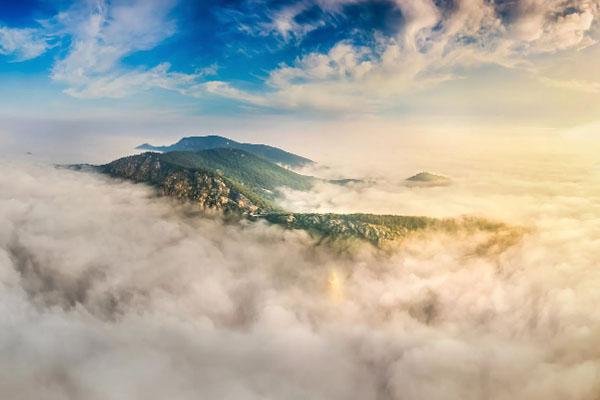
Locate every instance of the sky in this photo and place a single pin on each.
(164, 68)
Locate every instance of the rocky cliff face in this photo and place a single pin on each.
(207, 189)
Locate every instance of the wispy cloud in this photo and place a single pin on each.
(285, 24)
(102, 34)
(121, 84)
(23, 43)
(572, 84)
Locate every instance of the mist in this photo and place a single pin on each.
(111, 292)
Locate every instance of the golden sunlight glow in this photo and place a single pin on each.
(335, 285)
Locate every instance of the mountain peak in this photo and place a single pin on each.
(425, 178)
(199, 143)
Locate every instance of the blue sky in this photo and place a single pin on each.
(530, 60)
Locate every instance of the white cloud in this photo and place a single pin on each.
(283, 22)
(431, 47)
(224, 89)
(23, 43)
(116, 85)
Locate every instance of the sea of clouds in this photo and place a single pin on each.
(108, 292)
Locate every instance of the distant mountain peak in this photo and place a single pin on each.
(199, 143)
(425, 178)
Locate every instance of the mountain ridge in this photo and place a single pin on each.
(240, 183)
(207, 142)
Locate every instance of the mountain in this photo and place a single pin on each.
(198, 143)
(428, 179)
(240, 183)
(224, 179)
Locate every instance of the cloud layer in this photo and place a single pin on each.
(107, 291)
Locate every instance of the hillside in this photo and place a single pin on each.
(223, 179)
(378, 229)
(199, 143)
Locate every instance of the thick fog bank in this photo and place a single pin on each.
(109, 293)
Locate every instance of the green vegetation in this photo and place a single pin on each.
(249, 171)
(192, 175)
(376, 228)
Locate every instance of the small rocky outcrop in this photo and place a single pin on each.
(428, 179)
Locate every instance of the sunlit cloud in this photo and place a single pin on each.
(434, 45)
(189, 304)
